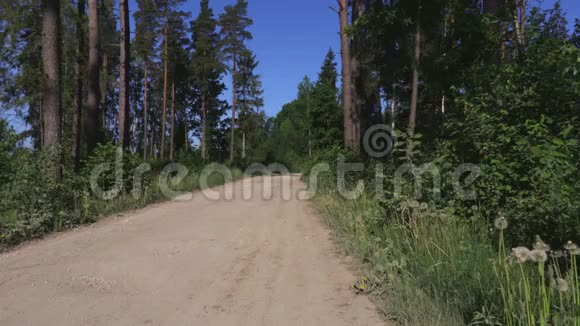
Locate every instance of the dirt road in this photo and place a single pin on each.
(189, 262)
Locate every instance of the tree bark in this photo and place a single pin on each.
(51, 103)
(243, 145)
(415, 84)
(203, 129)
(145, 108)
(358, 93)
(124, 140)
(233, 107)
(92, 118)
(78, 87)
(104, 81)
(347, 98)
(171, 149)
(164, 117)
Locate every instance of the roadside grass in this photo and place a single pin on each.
(16, 228)
(424, 266)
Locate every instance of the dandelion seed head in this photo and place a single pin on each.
(538, 256)
(424, 206)
(575, 252)
(521, 254)
(501, 223)
(414, 204)
(570, 246)
(541, 245)
(557, 254)
(561, 285)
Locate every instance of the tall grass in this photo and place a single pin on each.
(426, 266)
(16, 227)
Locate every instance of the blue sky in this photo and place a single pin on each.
(290, 41)
(292, 37)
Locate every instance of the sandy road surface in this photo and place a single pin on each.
(194, 262)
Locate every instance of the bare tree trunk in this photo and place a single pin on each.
(92, 117)
(124, 78)
(153, 131)
(171, 149)
(104, 80)
(145, 108)
(78, 93)
(243, 145)
(203, 129)
(347, 98)
(393, 105)
(51, 99)
(186, 143)
(415, 84)
(164, 117)
(519, 20)
(358, 82)
(233, 107)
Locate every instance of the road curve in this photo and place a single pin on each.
(198, 261)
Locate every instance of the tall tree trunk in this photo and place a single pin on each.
(78, 92)
(233, 107)
(104, 80)
(415, 84)
(92, 117)
(519, 21)
(203, 129)
(171, 149)
(51, 99)
(358, 94)
(243, 145)
(124, 78)
(347, 98)
(165, 63)
(145, 108)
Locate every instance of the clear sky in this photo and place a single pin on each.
(290, 41)
(292, 37)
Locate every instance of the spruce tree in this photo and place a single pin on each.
(326, 115)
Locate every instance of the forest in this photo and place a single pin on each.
(490, 83)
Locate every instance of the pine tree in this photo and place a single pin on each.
(125, 74)
(92, 117)
(234, 24)
(146, 25)
(51, 100)
(347, 81)
(206, 68)
(170, 17)
(78, 87)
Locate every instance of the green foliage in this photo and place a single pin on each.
(520, 124)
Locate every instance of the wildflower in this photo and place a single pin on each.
(570, 246)
(501, 223)
(521, 254)
(540, 245)
(424, 206)
(575, 252)
(538, 256)
(561, 285)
